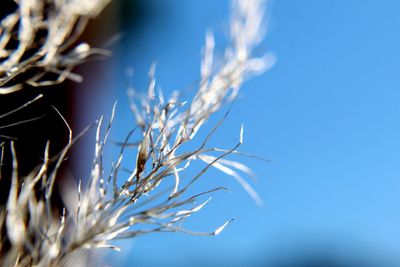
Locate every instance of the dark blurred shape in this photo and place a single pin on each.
(30, 137)
(133, 14)
(323, 261)
(40, 121)
(338, 254)
(7, 7)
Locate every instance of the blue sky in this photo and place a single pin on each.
(327, 115)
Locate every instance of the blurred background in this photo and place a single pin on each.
(327, 116)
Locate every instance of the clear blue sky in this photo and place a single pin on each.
(327, 115)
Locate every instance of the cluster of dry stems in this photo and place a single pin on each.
(38, 39)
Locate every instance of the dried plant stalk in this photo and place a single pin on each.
(111, 206)
(39, 39)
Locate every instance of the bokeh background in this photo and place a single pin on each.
(327, 116)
